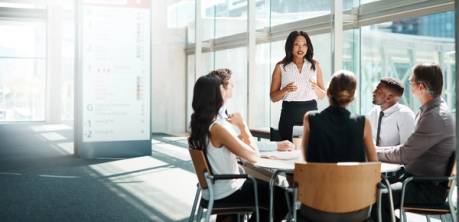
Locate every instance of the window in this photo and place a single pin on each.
(22, 71)
(236, 60)
(393, 48)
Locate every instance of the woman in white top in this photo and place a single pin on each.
(297, 80)
(223, 141)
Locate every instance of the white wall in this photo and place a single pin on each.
(168, 67)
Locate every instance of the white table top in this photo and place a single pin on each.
(287, 163)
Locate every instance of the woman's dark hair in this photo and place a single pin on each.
(207, 100)
(342, 88)
(289, 47)
(431, 76)
(224, 75)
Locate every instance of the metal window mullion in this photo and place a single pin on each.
(198, 40)
(337, 35)
(251, 53)
(390, 10)
(367, 14)
(15, 14)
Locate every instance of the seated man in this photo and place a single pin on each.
(428, 149)
(391, 122)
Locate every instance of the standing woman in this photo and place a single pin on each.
(298, 81)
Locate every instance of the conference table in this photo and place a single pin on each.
(276, 168)
(284, 161)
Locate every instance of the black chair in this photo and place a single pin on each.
(446, 207)
(206, 181)
(274, 134)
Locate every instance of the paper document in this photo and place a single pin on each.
(285, 155)
(275, 164)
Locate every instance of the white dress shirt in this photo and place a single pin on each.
(397, 124)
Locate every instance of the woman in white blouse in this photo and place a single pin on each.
(297, 80)
(224, 140)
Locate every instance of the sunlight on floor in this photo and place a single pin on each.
(174, 151)
(151, 185)
(50, 127)
(53, 136)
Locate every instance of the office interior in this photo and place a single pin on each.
(50, 165)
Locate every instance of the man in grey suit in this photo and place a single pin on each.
(428, 150)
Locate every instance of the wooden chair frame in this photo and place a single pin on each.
(338, 187)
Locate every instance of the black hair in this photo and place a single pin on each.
(207, 100)
(289, 47)
(393, 85)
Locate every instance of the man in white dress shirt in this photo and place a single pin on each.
(391, 122)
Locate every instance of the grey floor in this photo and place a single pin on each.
(41, 180)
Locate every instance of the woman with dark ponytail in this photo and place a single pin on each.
(297, 80)
(334, 134)
(224, 140)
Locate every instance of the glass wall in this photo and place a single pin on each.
(387, 47)
(22, 70)
(236, 60)
(393, 48)
(68, 60)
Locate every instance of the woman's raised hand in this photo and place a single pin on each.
(291, 87)
(236, 119)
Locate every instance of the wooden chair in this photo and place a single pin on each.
(206, 181)
(446, 208)
(336, 191)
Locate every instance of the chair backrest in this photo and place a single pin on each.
(200, 166)
(337, 187)
(452, 166)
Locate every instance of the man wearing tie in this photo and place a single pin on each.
(391, 122)
(429, 148)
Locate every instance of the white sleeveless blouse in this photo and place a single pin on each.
(223, 161)
(290, 73)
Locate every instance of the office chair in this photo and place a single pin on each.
(206, 182)
(433, 209)
(336, 191)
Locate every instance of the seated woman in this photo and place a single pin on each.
(223, 141)
(334, 134)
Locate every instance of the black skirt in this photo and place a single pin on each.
(292, 114)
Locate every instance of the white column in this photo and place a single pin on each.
(337, 34)
(54, 63)
(251, 57)
(198, 40)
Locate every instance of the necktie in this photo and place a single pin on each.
(381, 114)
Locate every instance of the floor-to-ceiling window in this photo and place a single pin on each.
(22, 70)
(393, 48)
(378, 39)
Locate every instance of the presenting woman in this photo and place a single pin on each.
(298, 81)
